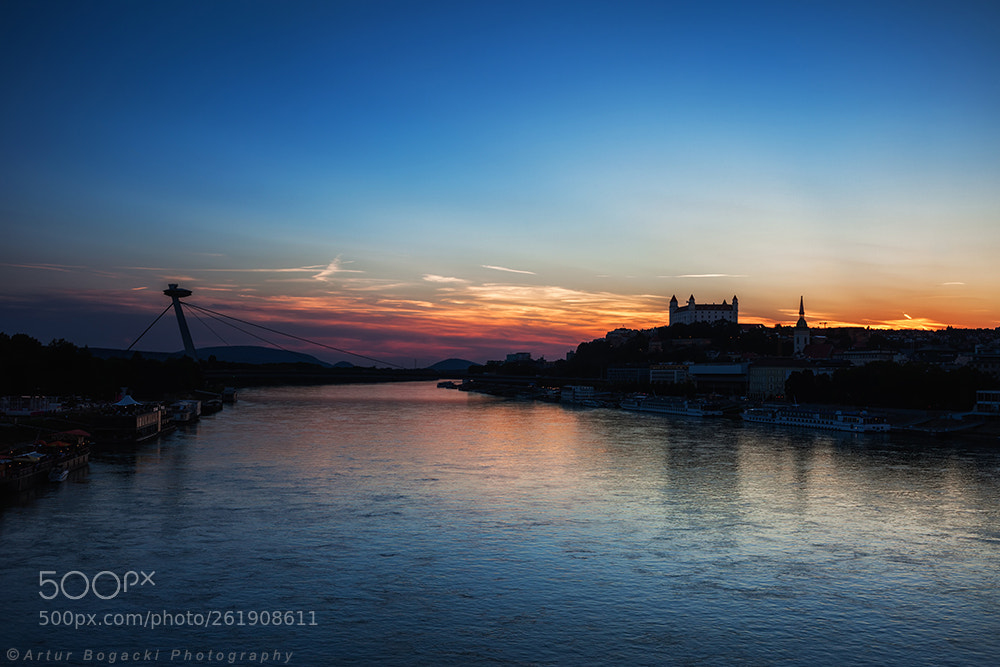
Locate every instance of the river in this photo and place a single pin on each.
(400, 524)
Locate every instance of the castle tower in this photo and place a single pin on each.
(176, 294)
(801, 336)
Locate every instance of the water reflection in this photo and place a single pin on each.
(431, 526)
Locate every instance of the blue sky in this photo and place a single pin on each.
(427, 179)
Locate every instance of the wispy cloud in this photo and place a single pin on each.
(504, 268)
(332, 269)
(925, 323)
(45, 267)
(953, 283)
(296, 269)
(709, 275)
(432, 278)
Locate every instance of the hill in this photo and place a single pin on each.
(461, 365)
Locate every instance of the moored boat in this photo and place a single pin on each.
(127, 423)
(853, 422)
(185, 411)
(22, 469)
(671, 405)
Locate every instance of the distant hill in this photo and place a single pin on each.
(252, 354)
(236, 354)
(453, 365)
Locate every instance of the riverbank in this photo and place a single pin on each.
(930, 424)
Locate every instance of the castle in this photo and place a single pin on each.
(703, 312)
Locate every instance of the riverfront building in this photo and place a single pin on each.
(668, 373)
(703, 312)
(988, 403)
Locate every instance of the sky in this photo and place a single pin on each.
(421, 180)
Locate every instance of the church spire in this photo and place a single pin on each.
(801, 335)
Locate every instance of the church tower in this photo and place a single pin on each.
(801, 339)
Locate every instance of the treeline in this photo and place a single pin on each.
(27, 367)
(891, 385)
(699, 342)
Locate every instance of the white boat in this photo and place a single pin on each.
(670, 405)
(185, 411)
(58, 475)
(854, 422)
(631, 403)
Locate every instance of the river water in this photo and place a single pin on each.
(405, 524)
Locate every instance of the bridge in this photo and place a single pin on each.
(306, 373)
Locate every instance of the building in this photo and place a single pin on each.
(703, 312)
(668, 373)
(726, 379)
(628, 374)
(986, 360)
(801, 336)
(23, 406)
(988, 403)
(865, 357)
(766, 378)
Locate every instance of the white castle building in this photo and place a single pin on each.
(704, 312)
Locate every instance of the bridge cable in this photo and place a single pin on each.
(240, 329)
(149, 327)
(299, 338)
(214, 332)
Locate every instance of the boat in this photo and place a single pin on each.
(671, 405)
(23, 469)
(127, 423)
(853, 422)
(185, 411)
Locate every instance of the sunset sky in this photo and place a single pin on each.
(422, 180)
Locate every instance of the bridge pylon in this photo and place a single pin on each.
(177, 293)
